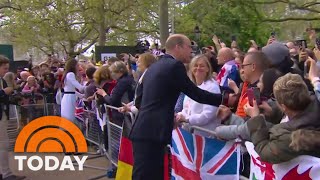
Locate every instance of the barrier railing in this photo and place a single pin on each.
(99, 129)
(114, 137)
(212, 133)
(90, 127)
(13, 126)
(33, 106)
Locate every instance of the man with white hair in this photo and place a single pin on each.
(23, 81)
(229, 70)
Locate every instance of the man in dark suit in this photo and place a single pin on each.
(5, 91)
(162, 84)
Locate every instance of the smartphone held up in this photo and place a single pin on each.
(254, 94)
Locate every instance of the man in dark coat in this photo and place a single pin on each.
(162, 84)
(5, 91)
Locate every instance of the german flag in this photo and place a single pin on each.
(125, 159)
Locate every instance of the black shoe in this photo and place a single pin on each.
(14, 177)
(0, 176)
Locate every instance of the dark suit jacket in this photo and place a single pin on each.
(162, 85)
(4, 99)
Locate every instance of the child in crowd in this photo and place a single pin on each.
(32, 86)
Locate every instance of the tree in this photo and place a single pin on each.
(52, 26)
(290, 10)
(293, 17)
(164, 20)
(223, 18)
(73, 26)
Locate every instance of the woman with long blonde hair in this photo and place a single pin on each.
(9, 78)
(195, 113)
(144, 62)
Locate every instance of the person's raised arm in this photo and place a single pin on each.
(314, 76)
(117, 93)
(216, 42)
(72, 78)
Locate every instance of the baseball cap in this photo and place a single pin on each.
(276, 52)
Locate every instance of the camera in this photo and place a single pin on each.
(142, 46)
(302, 43)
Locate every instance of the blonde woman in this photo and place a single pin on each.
(194, 113)
(144, 61)
(9, 78)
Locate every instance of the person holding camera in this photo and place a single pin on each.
(5, 91)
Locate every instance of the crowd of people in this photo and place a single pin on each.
(267, 95)
(65, 83)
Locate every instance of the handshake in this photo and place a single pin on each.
(125, 108)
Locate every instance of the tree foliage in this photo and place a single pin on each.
(72, 26)
(224, 19)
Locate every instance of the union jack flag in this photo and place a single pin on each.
(228, 70)
(79, 110)
(195, 157)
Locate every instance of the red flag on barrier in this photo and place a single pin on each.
(125, 159)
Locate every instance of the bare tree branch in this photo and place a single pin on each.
(8, 5)
(291, 19)
(88, 46)
(269, 2)
(134, 30)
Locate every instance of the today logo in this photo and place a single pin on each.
(50, 134)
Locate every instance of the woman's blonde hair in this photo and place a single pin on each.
(102, 73)
(9, 78)
(147, 59)
(193, 63)
(119, 67)
(31, 78)
(292, 91)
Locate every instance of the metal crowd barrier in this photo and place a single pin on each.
(212, 134)
(33, 107)
(13, 126)
(106, 138)
(114, 137)
(98, 135)
(92, 129)
(38, 106)
(88, 123)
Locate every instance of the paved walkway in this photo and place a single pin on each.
(86, 174)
